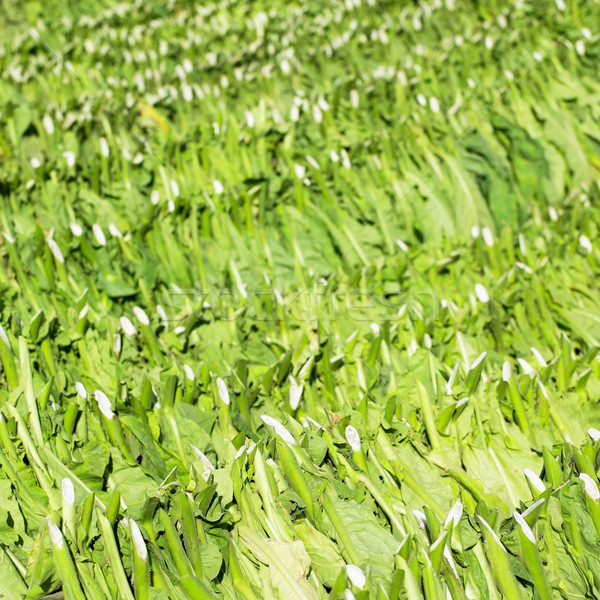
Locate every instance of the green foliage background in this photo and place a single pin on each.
(299, 299)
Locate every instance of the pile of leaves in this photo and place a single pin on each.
(299, 300)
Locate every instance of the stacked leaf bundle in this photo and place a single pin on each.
(342, 338)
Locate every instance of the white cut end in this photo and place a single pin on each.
(524, 267)
(127, 326)
(76, 229)
(315, 423)
(506, 371)
(99, 234)
(138, 540)
(163, 315)
(488, 236)
(533, 507)
(594, 433)
(492, 532)
(421, 518)
(478, 360)
(348, 595)
(240, 452)
(104, 150)
(427, 341)
(189, 372)
(535, 481)
(68, 491)
(114, 230)
(543, 389)
(104, 404)
(117, 344)
(434, 104)
(35, 163)
(452, 378)
(69, 158)
(48, 124)
(312, 162)
(202, 457)
(317, 114)
(295, 393)
(305, 370)
(56, 536)
(591, 487)
(141, 316)
(280, 430)
(475, 231)
(402, 245)
(3, 336)
(352, 438)
(441, 538)
(223, 391)
(354, 98)
(538, 357)
(218, 187)
(56, 252)
(356, 576)
(187, 92)
(462, 401)
(299, 171)
(81, 389)
(481, 293)
(174, 188)
(527, 368)
(272, 463)
(524, 527)
(454, 515)
(155, 197)
(584, 242)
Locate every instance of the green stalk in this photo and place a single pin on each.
(8, 361)
(428, 416)
(68, 507)
(281, 530)
(340, 529)
(5, 441)
(531, 557)
(294, 474)
(114, 557)
(26, 381)
(38, 465)
(241, 585)
(112, 426)
(196, 590)
(141, 570)
(180, 558)
(64, 562)
(501, 569)
(592, 499)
